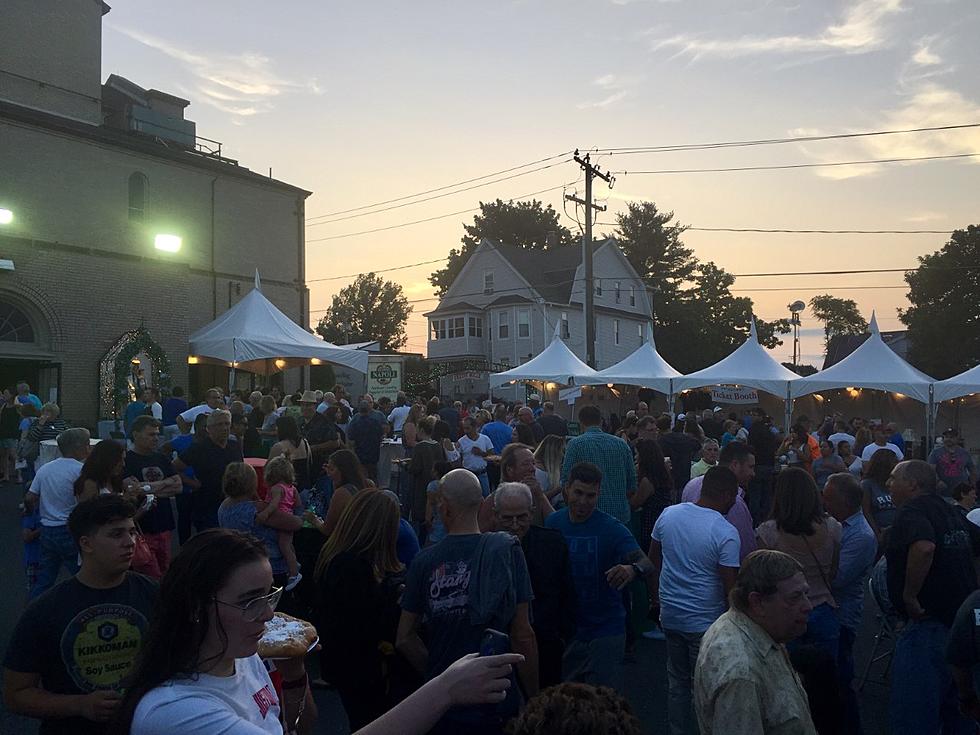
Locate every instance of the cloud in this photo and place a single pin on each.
(242, 85)
(924, 55)
(859, 31)
(921, 217)
(617, 89)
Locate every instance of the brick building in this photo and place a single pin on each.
(121, 230)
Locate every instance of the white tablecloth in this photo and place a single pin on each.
(49, 451)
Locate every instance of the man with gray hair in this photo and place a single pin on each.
(550, 571)
(54, 488)
(744, 683)
(842, 498)
(209, 457)
(461, 586)
(931, 554)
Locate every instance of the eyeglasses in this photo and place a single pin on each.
(255, 609)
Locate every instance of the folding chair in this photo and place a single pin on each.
(886, 634)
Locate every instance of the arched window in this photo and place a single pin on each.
(14, 324)
(137, 196)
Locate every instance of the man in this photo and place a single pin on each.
(841, 435)
(399, 413)
(739, 459)
(679, 446)
(550, 422)
(605, 559)
(156, 475)
(695, 556)
(534, 403)
(450, 414)
(54, 488)
(73, 648)
(461, 586)
(378, 415)
(744, 683)
(319, 430)
(517, 464)
(550, 572)
(151, 397)
(209, 457)
(963, 654)
(24, 395)
(213, 400)
(137, 407)
(842, 497)
(526, 416)
(499, 430)
(642, 409)
(711, 427)
(931, 552)
(173, 407)
(763, 442)
(709, 458)
(952, 463)
(49, 425)
(894, 435)
(365, 434)
(879, 442)
(474, 447)
(611, 455)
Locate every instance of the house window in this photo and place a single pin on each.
(137, 196)
(438, 329)
(632, 295)
(505, 361)
(503, 325)
(598, 287)
(616, 330)
(488, 282)
(639, 332)
(617, 291)
(476, 326)
(523, 323)
(564, 326)
(457, 327)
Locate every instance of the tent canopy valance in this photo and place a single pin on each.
(254, 335)
(872, 365)
(750, 365)
(964, 384)
(555, 364)
(645, 367)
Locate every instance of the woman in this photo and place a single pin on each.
(693, 429)
(441, 434)
(410, 428)
(654, 487)
(345, 471)
(548, 458)
(862, 438)
(198, 670)
(27, 450)
(731, 431)
(296, 449)
(358, 579)
(267, 406)
(102, 472)
(796, 449)
(964, 497)
(827, 464)
(9, 434)
(432, 407)
(879, 508)
(799, 527)
(424, 457)
(853, 463)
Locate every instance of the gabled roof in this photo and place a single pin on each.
(550, 272)
(842, 345)
(453, 307)
(510, 299)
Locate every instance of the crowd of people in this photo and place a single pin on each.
(499, 581)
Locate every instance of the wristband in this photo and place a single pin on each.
(295, 683)
(636, 568)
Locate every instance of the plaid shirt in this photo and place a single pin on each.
(614, 457)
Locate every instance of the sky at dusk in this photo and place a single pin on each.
(364, 102)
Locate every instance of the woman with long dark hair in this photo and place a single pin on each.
(654, 486)
(879, 508)
(296, 449)
(345, 471)
(357, 578)
(102, 472)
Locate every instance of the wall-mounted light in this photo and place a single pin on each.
(167, 243)
(280, 363)
(316, 361)
(192, 360)
(6, 216)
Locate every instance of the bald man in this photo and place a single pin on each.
(463, 585)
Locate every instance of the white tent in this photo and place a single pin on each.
(645, 367)
(872, 365)
(555, 364)
(750, 365)
(964, 384)
(254, 335)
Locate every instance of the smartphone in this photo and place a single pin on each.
(494, 643)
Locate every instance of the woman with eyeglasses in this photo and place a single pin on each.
(199, 672)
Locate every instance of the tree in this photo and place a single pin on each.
(944, 318)
(802, 370)
(839, 317)
(369, 309)
(522, 224)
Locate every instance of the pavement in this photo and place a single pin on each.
(646, 686)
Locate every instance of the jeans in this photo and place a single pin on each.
(57, 548)
(845, 667)
(923, 696)
(598, 662)
(682, 655)
(484, 482)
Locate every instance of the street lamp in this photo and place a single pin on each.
(794, 318)
(167, 243)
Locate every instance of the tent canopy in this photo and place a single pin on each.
(253, 335)
(750, 365)
(958, 386)
(872, 365)
(645, 368)
(555, 364)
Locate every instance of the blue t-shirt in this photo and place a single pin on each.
(594, 547)
(500, 434)
(407, 546)
(32, 549)
(173, 407)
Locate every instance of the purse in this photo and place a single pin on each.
(144, 561)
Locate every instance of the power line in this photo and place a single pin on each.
(440, 188)
(380, 270)
(818, 288)
(775, 141)
(783, 167)
(768, 231)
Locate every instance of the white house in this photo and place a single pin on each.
(503, 307)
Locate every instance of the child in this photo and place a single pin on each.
(30, 524)
(434, 525)
(280, 479)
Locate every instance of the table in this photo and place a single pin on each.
(48, 451)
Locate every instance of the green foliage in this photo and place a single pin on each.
(944, 318)
(369, 309)
(839, 317)
(803, 370)
(138, 341)
(522, 224)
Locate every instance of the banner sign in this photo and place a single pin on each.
(384, 377)
(734, 394)
(570, 394)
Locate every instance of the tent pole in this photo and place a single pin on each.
(788, 410)
(930, 419)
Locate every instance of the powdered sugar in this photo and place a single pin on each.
(280, 630)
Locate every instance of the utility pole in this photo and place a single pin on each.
(590, 172)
